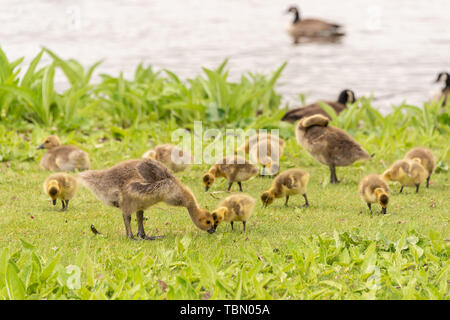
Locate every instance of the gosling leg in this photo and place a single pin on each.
(287, 199)
(127, 220)
(417, 188)
(306, 201)
(231, 225)
(141, 233)
(67, 204)
(333, 177)
(243, 223)
(240, 186)
(229, 186)
(401, 189)
(428, 181)
(370, 207)
(63, 205)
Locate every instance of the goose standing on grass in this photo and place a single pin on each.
(425, 157)
(373, 189)
(311, 28)
(444, 78)
(61, 186)
(409, 173)
(172, 156)
(329, 145)
(135, 185)
(62, 158)
(346, 96)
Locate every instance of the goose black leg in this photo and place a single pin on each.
(401, 189)
(333, 177)
(63, 205)
(306, 201)
(417, 188)
(240, 186)
(243, 223)
(428, 181)
(370, 207)
(67, 204)
(287, 199)
(231, 225)
(141, 233)
(127, 220)
(229, 186)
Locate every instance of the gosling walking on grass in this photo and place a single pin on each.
(62, 157)
(288, 183)
(425, 157)
(373, 189)
(408, 172)
(61, 186)
(237, 207)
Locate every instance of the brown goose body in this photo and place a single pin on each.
(329, 145)
(135, 185)
(164, 152)
(62, 157)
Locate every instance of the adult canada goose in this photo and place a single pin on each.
(444, 78)
(135, 185)
(171, 155)
(62, 158)
(311, 28)
(328, 145)
(346, 96)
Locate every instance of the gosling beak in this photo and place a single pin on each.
(212, 230)
(40, 147)
(383, 210)
(206, 188)
(54, 202)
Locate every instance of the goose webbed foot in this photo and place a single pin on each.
(145, 237)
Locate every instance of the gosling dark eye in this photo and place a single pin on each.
(208, 222)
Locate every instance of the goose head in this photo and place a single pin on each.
(50, 142)
(444, 78)
(347, 96)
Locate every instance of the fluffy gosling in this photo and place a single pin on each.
(408, 172)
(372, 189)
(232, 168)
(170, 155)
(62, 158)
(329, 145)
(288, 183)
(267, 153)
(61, 186)
(237, 207)
(425, 157)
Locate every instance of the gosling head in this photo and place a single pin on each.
(53, 190)
(208, 180)
(218, 215)
(206, 221)
(151, 154)
(267, 198)
(382, 199)
(50, 142)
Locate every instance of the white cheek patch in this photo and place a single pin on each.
(443, 78)
(350, 98)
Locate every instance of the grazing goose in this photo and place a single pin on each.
(444, 78)
(62, 158)
(329, 145)
(372, 189)
(61, 186)
(346, 96)
(237, 207)
(171, 155)
(233, 168)
(135, 185)
(311, 28)
(408, 172)
(288, 183)
(425, 157)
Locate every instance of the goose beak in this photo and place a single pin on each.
(206, 188)
(212, 230)
(40, 147)
(54, 202)
(383, 210)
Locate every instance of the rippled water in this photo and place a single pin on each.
(393, 49)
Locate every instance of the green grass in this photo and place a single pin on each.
(287, 253)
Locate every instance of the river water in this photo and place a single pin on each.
(393, 49)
